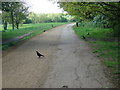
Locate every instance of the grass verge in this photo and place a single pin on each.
(104, 45)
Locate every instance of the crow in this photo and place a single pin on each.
(64, 86)
(84, 37)
(44, 31)
(38, 54)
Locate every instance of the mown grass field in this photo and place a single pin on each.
(103, 44)
(24, 29)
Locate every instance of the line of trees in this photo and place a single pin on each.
(13, 13)
(46, 18)
(106, 14)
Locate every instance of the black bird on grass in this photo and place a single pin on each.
(84, 37)
(39, 55)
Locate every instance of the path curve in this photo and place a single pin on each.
(68, 62)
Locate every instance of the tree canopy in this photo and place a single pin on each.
(51, 17)
(87, 11)
(13, 13)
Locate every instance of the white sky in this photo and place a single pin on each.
(43, 6)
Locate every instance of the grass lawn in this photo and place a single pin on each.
(103, 44)
(25, 28)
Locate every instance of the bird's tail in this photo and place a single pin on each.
(43, 55)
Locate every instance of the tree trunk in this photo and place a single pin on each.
(17, 25)
(12, 19)
(5, 25)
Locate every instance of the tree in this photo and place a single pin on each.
(5, 19)
(0, 18)
(43, 18)
(27, 21)
(16, 11)
(10, 7)
(86, 11)
(20, 14)
(33, 17)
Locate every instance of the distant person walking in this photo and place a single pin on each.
(77, 24)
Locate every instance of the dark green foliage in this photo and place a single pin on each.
(13, 13)
(27, 21)
(44, 18)
(101, 14)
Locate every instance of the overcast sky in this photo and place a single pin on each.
(43, 6)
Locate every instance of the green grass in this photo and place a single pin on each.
(1, 27)
(97, 33)
(110, 64)
(25, 28)
(107, 50)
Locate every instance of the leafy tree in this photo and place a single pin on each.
(0, 18)
(5, 19)
(39, 18)
(0, 12)
(20, 14)
(27, 21)
(87, 11)
(33, 17)
(10, 7)
(16, 11)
